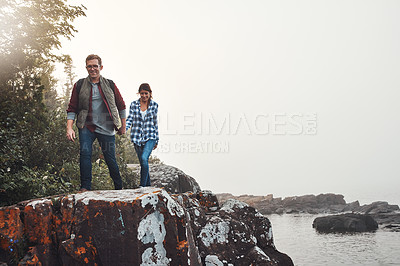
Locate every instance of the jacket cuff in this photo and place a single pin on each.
(71, 116)
(122, 114)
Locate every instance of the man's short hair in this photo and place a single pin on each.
(93, 56)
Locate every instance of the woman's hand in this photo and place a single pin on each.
(121, 131)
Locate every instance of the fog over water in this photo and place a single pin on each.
(261, 97)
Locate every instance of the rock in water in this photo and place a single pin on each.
(144, 226)
(348, 222)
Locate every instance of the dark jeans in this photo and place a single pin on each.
(107, 144)
(143, 152)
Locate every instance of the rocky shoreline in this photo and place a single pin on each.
(172, 223)
(385, 214)
(175, 180)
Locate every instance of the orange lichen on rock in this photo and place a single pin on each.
(34, 261)
(80, 251)
(64, 218)
(38, 223)
(183, 244)
(11, 227)
(31, 258)
(207, 199)
(91, 247)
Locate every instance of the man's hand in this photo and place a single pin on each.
(70, 131)
(121, 131)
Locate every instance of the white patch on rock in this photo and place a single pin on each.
(173, 207)
(214, 232)
(269, 234)
(233, 203)
(70, 204)
(262, 253)
(151, 199)
(241, 236)
(258, 214)
(37, 202)
(125, 195)
(152, 230)
(212, 260)
(152, 256)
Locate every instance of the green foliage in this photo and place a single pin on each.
(32, 141)
(21, 121)
(31, 183)
(126, 155)
(70, 79)
(126, 149)
(30, 32)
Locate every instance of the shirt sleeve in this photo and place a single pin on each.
(129, 120)
(156, 124)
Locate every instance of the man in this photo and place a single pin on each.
(99, 109)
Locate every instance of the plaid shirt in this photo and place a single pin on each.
(143, 130)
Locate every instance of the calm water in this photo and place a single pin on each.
(294, 235)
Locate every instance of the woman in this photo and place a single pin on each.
(144, 133)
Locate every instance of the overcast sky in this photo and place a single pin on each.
(261, 97)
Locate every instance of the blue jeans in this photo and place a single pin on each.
(107, 144)
(143, 152)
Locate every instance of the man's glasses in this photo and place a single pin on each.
(92, 66)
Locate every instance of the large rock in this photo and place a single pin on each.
(145, 226)
(349, 222)
(235, 234)
(240, 235)
(128, 227)
(170, 178)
